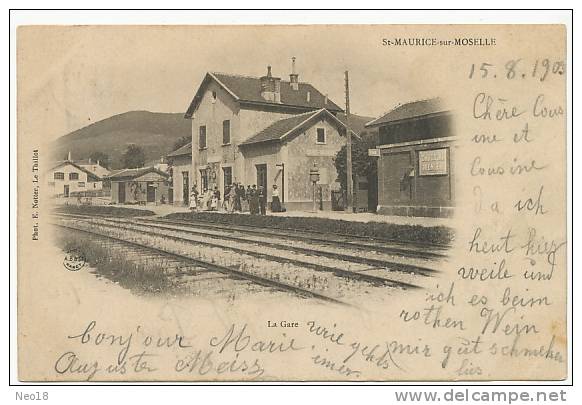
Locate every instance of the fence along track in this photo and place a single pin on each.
(361, 276)
(265, 282)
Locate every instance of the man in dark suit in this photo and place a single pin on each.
(262, 197)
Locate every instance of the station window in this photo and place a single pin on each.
(226, 132)
(203, 180)
(321, 135)
(202, 137)
(73, 176)
(59, 176)
(227, 177)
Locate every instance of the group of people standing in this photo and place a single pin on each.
(237, 198)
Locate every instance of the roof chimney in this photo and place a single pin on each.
(325, 100)
(69, 156)
(271, 87)
(308, 96)
(294, 76)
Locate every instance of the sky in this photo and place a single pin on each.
(72, 76)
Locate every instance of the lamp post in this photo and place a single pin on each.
(314, 177)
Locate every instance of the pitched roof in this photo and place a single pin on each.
(357, 122)
(288, 126)
(184, 150)
(114, 171)
(90, 175)
(134, 173)
(88, 162)
(413, 109)
(247, 89)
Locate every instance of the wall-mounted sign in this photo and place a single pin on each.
(432, 162)
(374, 152)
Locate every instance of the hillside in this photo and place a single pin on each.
(156, 133)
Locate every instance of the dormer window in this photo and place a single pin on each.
(321, 136)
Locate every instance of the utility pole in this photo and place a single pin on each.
(350, 181)
(282, 166)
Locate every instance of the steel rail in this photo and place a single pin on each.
(308, 251)
(407, 268)
(293, 233)
(376, 280)
(216, 268)
(422, 251)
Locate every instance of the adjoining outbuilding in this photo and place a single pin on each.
(416, 167)
(180, 162)
(286, 151)
(139, 186)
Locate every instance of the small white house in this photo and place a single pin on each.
(68, 178)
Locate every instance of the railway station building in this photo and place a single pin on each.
(139, 186)
(265, 131)
(416, 166)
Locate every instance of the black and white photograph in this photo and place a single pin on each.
(300, 203)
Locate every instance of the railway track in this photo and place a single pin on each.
(209, 266)
(353, 257)
(427, 251)
(329, 249)
(389, 246)
(383, 277)
(323, 235)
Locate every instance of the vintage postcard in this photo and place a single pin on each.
(292, 203)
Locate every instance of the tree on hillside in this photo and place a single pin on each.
(133, 157)
(184, 140)
(102, 158)
(362, 164)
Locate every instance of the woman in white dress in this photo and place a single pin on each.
(275, 201)
(205, 200)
